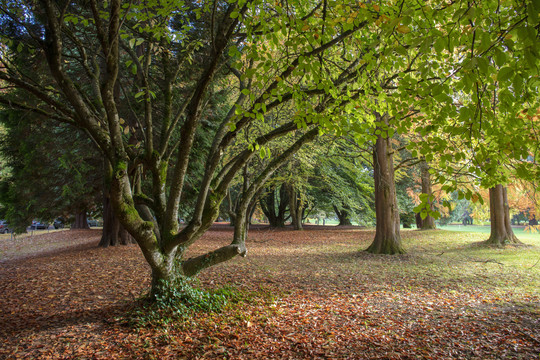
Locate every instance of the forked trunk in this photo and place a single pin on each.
(501, 229)
(387, 236)
(429, 222)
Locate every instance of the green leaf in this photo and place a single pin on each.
(439, 45)
(505, 73)
(500, 58)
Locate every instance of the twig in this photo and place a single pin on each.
(488, 261)
(535, 264)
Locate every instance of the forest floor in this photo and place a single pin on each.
(309, 294)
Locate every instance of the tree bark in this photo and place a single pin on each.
(125, 236)
(107, 237)
(231, 208)
(501, 229)
(419, 221)
(343, 216)
(81, 221)
(428, 223)
(295, 207)
(276, 217)
(113, 233)
(387, 236)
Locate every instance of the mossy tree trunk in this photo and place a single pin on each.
(159, 141)
(501, 229)
(387, 236)
(428, 223)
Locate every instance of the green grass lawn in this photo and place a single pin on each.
(485, 229)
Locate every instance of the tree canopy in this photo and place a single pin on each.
(141, 79)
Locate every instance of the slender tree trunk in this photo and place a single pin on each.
(81, 221)
(387, 236)
(253, 206)
(343, 216)
(501, 229)
(231, 207)
(429, 222)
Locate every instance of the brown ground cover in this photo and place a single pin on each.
(312, 295)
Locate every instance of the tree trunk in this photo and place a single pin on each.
(268, 206)
(125, 236)
(253, 206)
(343, 216)
(419, 221)
(387, 236)
(109, 235)
(295, 207)
(501, 229)
(81, 221)
(429, 222)
(231, 208)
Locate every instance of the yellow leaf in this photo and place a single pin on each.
(376, 7)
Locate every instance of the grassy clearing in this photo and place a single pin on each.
(485, 229)
(456, 257)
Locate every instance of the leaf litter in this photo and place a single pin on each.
(313, 295)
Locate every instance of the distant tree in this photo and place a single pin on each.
(343, 181)
(274, 202)
(54, 171)
(427, 222)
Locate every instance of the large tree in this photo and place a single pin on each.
(120, 73)
(138, 77)
(387, 235)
